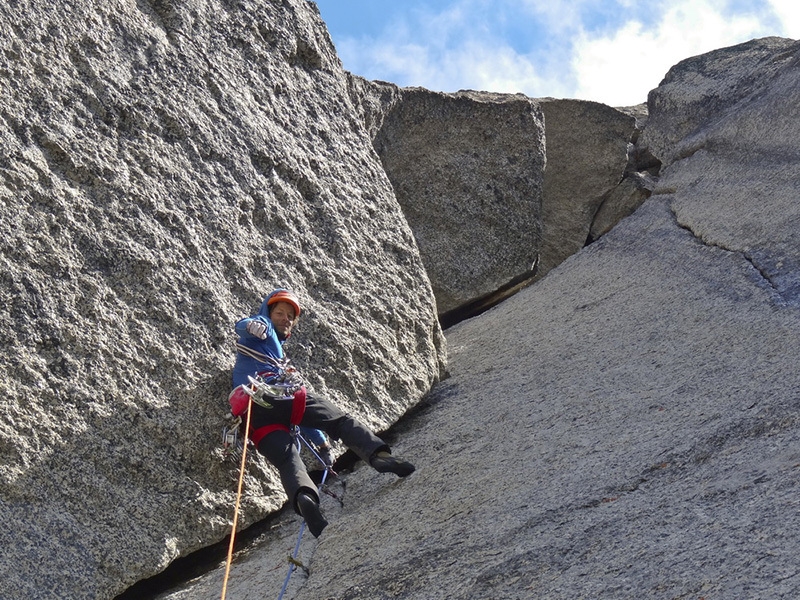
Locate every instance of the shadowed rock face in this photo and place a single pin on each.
(586, 159)
(164, 165)
(625, 427)
(467, 169)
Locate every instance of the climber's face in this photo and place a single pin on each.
(282, 317)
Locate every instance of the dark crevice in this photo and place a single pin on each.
(764, 274)
(205, 560)
(480, 305)
(198, 563)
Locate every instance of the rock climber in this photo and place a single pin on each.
(261, 338)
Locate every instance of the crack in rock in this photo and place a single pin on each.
(769, 278)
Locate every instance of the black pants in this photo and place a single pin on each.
(278, 446)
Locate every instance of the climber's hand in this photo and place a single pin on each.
(257, 329)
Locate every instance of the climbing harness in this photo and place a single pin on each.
(281, 382)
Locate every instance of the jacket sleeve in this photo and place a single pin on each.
(241, 326)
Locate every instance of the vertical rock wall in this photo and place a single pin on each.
(467, 169)
(586, 158)
(165, 164)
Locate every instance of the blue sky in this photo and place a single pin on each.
(610, 51)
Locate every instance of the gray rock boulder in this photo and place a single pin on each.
(467, 169)
(481, 242)
(699, 91)
(587, 154)
(372, 100)
(164, 165)
(738, 151)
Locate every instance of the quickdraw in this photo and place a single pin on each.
(231, 440)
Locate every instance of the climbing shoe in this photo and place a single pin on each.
(383, 462)
(311, 513)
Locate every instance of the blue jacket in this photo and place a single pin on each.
(247, 365)
(272, 346)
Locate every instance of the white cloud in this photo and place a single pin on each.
(788, 13)
(470, 65)
(495, 68)
(456, 48)
(621, 68)
(559, 17)
(612, 52)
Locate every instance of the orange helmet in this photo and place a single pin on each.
(284, 295)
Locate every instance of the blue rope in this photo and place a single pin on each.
(292, 565)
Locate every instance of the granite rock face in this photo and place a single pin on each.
(498, 188)
(627, 426)
(164, 165)
(646, 389)
(738, 151)
(587, 155)
(468, 172)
